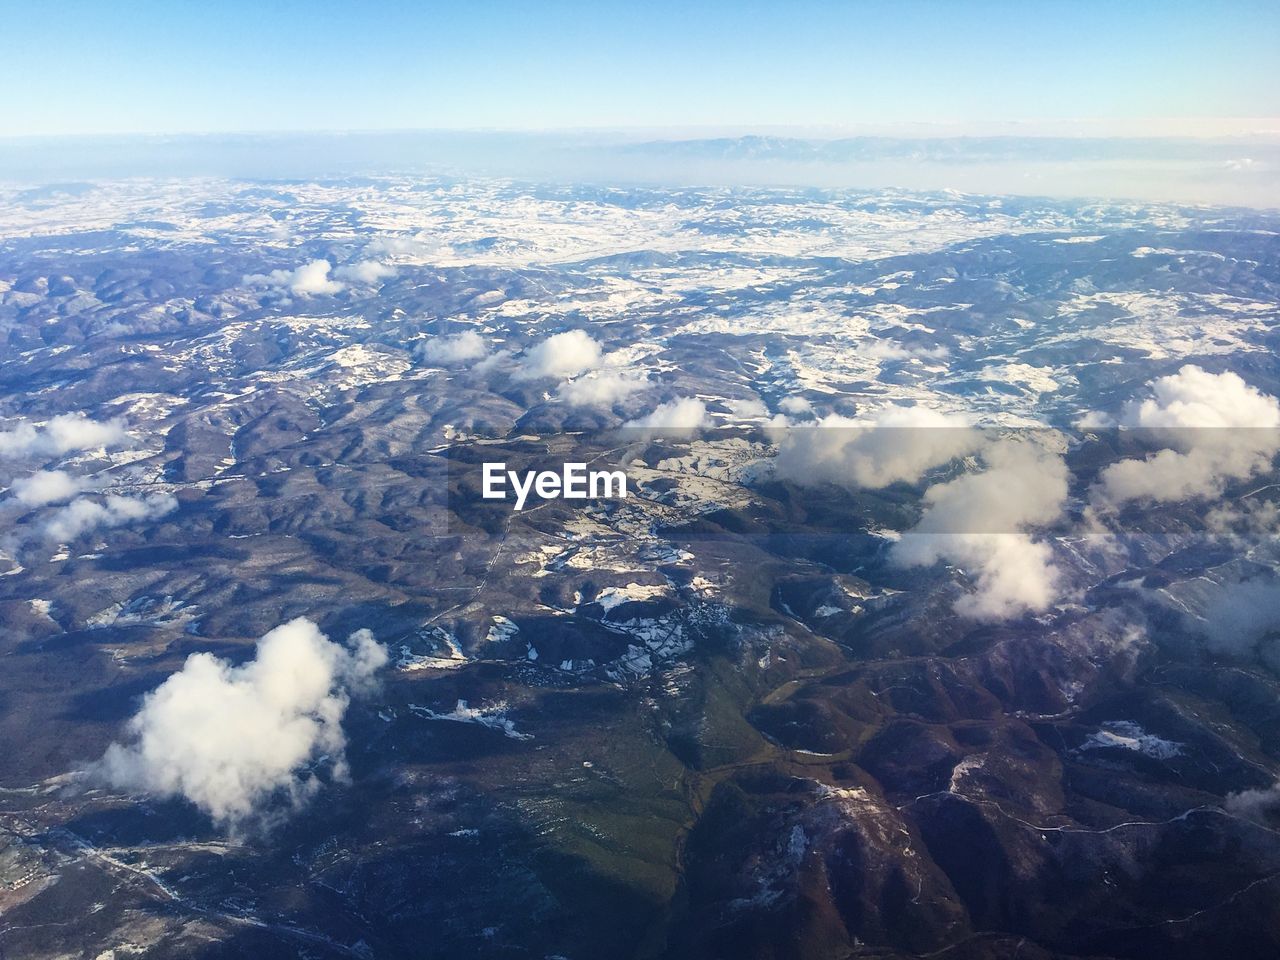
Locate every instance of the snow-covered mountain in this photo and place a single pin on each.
(941, 619)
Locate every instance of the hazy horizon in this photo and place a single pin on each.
(1241, 170)
(1146, 100)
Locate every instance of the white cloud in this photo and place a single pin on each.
(978, 522)
(1244, 520)
(892, 350)
(492, 362)
(1218, 429)
(49, 486)
(795, 406)
(307, 279)
(313, 277)
(362, 271)
(1240, 619)
(62, 434)
(456, 348)
(899, 443)
(748, 409)
(86, 515)
(1256, 805)
(561, 355)
(233, 739)
(686, 413)
(1093, 420)
(419, 246)
(601, 388)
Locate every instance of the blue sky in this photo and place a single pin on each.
(183, 66)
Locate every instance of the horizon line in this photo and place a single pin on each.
(1155, 128)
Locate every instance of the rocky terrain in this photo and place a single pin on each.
(941, 619)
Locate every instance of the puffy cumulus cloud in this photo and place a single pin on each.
(233, 740)
(1257, 805)
(1093, 420)
(49, 486)
(899, 443)
(1244, 521)
(310, 278)
(601, 388)
(63, 434)
(419, 246)
(795, 406)
(1241, 619)
(560, 355)
(1218, 429)
(455, 348)
(978, 522)
(87, 515)
(1015, 574)
(748, 409)
(363, 271)
(494, 361)
(683, 414)
(892, 350)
